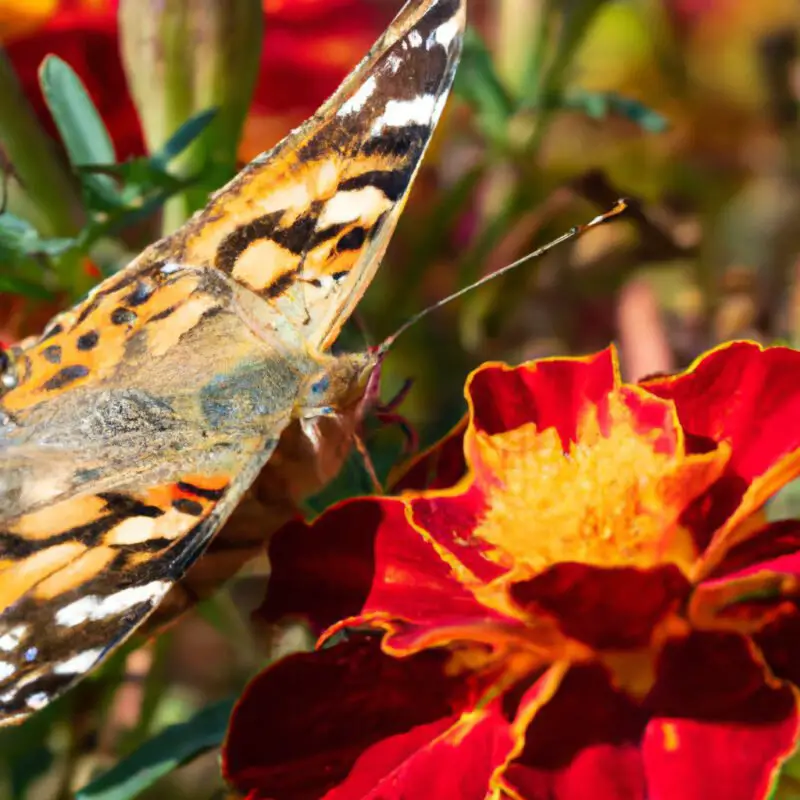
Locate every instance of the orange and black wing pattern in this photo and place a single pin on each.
(133, 426)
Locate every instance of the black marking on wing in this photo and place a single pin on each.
(280, 284)
(88, 307)
(163, 314)
(296, 237)
(197, 491)
(187, 506)
(392, 182)
(235, 243)
(65, 376)
(324, 235)
(123, 505)
(123, 316)
(352, 240)
(51, 332)
(52, 353)
(88, 340)
(404, 142)
(141, 294)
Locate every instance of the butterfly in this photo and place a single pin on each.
(134, 425)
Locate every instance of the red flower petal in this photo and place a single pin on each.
(449, 520)
(743, 394)
(583, 744)
(767, 544)
(779, 643)
(593, 604)
(747, 396)
(349, 723)
(323, 571)
(715, 676)
(752, 584)
(361, 562)
(690, 760)
(550, 393)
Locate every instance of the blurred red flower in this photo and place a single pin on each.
(595, 609)
(309, 46)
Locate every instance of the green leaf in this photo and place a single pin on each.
(785, 504)
(157, 757)
(18, 238)
(480, 86)
(79, 124)
(602, 104)
(76, 117)
(15, 233)
(183, 137)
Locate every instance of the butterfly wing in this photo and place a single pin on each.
(80, 576)
(322, 205)
(132, 427)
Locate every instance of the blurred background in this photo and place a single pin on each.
(687, 107)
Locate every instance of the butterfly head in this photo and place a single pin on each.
(345, 381)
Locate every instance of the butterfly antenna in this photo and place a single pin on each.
(621, 206)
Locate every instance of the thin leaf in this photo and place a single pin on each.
(79, 124)
(183, 137)
(159, 756)
(599, 105)
(18, 238)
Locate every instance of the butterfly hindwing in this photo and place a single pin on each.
(133, 426)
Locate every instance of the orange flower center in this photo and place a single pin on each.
(613, 499)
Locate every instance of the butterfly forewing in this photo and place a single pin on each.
(133, 426)
(321, 206)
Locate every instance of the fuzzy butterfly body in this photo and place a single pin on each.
(132, 428)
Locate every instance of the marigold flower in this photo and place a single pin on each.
(596, 608)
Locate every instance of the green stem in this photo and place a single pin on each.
(31, 152)
(51, 200)
(178, 106)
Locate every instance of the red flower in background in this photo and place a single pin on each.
(596, 609)
(309, 46)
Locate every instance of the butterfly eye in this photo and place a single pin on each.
(321, 387)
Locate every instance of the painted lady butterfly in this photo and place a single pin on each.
(132, 428)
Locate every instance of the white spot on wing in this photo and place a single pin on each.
(394, 63)
(78, 664)
(344, 207)
(94, 607)
(10, 640)
(7, 669)
(294, 195)
(399, 113)
(445, 33)
(415, 38)
(133, 530)
(38, 700)
(358, 100)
